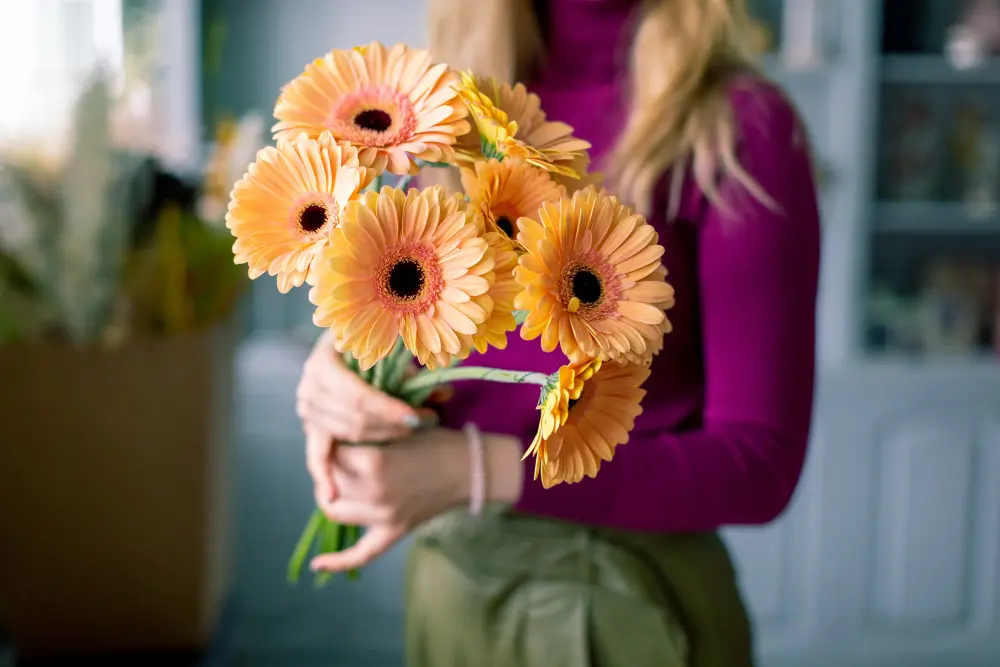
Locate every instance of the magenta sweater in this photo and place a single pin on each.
(726, 419)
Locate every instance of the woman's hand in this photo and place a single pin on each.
(335, 399)
(392, 490)
(335, 404)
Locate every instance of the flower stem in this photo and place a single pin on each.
(304, 545)
(426, 379)
(399, 360)
(404, 182)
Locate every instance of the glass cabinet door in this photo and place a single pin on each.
(935, 227)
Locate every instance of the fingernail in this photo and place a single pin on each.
(314, 566)
(411, 420)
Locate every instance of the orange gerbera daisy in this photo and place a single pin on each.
(509, 122)
(499, 302)
(503, 292)
(591, 280)
(394, 104)
(666, 327)
(501, 192)
(404, 264)
(282, 211)
(587, 411)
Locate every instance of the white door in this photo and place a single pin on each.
(889, 554)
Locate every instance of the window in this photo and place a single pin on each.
(47, 48)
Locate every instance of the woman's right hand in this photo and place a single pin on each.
(334, 399)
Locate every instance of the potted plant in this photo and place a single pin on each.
(117, 290)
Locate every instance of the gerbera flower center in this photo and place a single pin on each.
(587, 287)
(506, 226)
(313, 217)
(375, 120)
(314, 214)
(406, 279)
(378, 116)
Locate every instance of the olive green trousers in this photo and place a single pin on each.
(508, 590)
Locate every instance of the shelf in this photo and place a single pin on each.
(982, 360)
(919, 217)
(936, 69)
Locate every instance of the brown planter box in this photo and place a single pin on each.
(114, 498)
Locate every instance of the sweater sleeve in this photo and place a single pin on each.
(758, 268)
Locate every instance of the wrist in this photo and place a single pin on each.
(504, 469)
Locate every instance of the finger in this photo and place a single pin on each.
(350, 425)
(380, 406)
(319, 456)
(375, 542)
(332, 417)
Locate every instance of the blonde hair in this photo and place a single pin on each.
(684, 56)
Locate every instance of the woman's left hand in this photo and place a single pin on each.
(393, 489)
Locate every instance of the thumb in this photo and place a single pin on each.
(375, 542)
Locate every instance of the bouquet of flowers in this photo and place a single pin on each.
(409, 278)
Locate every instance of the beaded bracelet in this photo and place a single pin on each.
(477, 464)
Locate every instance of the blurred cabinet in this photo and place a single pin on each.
(934, 228)
(890, 552)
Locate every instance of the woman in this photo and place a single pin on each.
(626, 568)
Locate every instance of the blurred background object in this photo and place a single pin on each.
(114, 262)
(118, 300)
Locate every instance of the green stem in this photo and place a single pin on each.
(404, 182)
(330, 541)
(350, 361)
(304, 545)
(426, 379)
(399, 360)
(379, 372)
(351, 536)
(520, 316)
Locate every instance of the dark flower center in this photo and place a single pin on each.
(587, 287)
(406, 279)
(506, 226)
(375, 120)
(313, 217)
